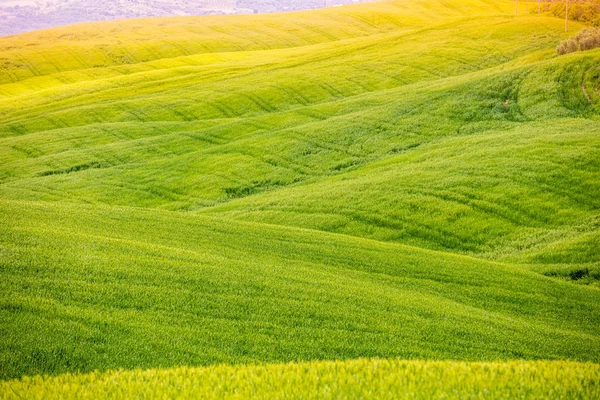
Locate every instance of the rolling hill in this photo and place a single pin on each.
(371, 183)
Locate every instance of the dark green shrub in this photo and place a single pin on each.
(585, 40)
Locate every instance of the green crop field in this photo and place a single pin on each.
(398, 199)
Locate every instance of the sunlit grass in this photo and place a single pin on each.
(357, 379)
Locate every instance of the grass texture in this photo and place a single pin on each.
(356, 379)
(390, 180)
(206, 290)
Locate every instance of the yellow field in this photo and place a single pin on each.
(356, 379)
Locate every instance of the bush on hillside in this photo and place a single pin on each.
(585, 11)
(585, 40)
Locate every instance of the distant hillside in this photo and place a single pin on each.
(18, 16)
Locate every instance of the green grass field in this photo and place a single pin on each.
(309, 198)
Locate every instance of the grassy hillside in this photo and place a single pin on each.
(413, 180)
(106, 44)
(143, 288)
